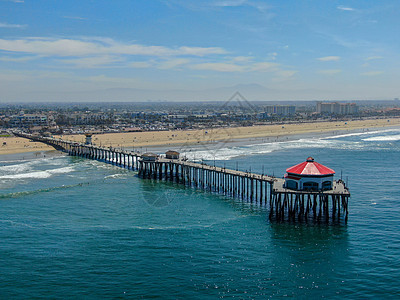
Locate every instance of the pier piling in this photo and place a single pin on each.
(284, 204)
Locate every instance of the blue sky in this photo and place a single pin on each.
(198, 50)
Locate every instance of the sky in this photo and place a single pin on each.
(192, 50)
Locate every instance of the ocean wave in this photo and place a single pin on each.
(17, 168)
(226, 153)
(172, 227)
(383, 138)
(34, 192)
(191, 226)
(115, 176)
(16, 224)
(23, 166)
(38, 174)
(361, 133)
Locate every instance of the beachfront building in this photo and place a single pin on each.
(28, 120)
(149, 156)
(278, 110)
(309, 175)
(172, 154)
(337, 108)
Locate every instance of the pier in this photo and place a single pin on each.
(285, 204)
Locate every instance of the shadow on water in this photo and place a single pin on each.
(161, 193)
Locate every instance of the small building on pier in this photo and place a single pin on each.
(309, 176)
(172, 154)
(88, 139)
(149, 157)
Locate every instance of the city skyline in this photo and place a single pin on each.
(188, 51)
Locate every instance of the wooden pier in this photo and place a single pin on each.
(284, 204)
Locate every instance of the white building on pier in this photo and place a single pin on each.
(309, 175)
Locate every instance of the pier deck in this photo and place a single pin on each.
(338, 188)
(284, 204)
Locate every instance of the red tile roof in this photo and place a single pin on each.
(310, 167)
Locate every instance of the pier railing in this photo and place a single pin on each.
(284, 204)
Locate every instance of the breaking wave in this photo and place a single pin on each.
(333, 142)
(390, 138)
(361, 133)
(226, 153)
(38, 174)
(34, 192)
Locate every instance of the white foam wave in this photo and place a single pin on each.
(229, 153)
(333, 142)
(361, 133)
(25, 164)
(18, 168)
(177, 227)
(115, 176)
(38, 174)
(383, 138)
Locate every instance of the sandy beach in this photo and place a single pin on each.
(192, 137)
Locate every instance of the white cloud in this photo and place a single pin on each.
(243, 58)
(341, 7)
(173, 63)
(374, 57)
(96, 46)
(198, 51)
(272, 56)
(264, 66)
(372, 73)
(219, 67)
(233, 67)
(329, 58)
(230, 3)
(258, 5)
(140, 64)
(17, 59)
(286, 73)
(18, 26)
(330, 71)
(93, 62)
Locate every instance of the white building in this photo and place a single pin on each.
(337, 108)
(28, 120)
(309, 175)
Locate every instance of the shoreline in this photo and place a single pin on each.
(165, 140)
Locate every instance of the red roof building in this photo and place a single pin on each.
(309, 175)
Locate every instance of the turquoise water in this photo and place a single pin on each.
(75, 228)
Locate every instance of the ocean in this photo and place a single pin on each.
(76, 228)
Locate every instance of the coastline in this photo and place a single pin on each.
(190, 138)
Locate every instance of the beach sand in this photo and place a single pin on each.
(19, 145)
(168, 139)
